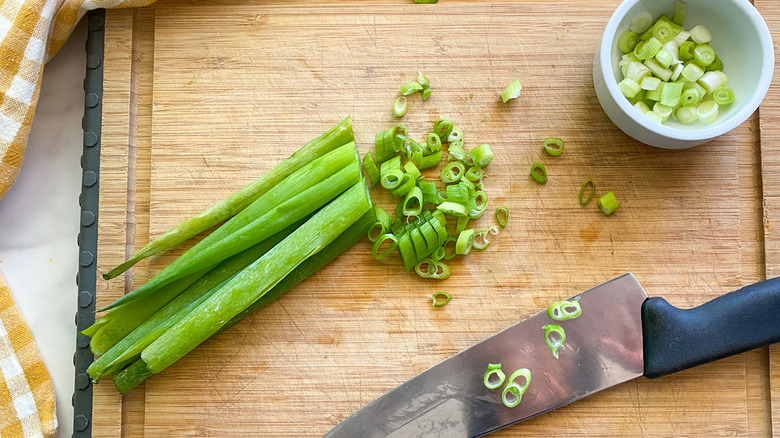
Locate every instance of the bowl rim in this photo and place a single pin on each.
(767, 49)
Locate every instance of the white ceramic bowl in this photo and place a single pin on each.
(741, 39)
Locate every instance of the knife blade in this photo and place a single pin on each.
(620, 335)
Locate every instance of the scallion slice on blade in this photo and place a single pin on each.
(441, 298)
(583, 200)
(399, 107)
(553, 146)
(502, 216)
(554, 336)
(539, 173)
(564, 310)
(512, 91)
(494, 369)
(608, 203)
(410, 88)
(513, 392)
(723, 96)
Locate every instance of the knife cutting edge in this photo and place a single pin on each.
(620, 335)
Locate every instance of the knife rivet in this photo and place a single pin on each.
(87, 218)
(86, 258)
(92, 100)
(90, 178)
(93, 61)
(80, 423)
(85, 298)
(82, 381)
(90, 139)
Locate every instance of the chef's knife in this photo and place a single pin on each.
(620, 335)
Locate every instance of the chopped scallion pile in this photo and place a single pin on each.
(667, 65)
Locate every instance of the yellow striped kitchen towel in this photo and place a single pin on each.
(26, 393)
(31, 31)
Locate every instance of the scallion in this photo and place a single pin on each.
(583, 200)
(453, 172)
(483, 155)
(410, 88)
(554, 343)
(502, 216)
(399, 107)
(465, 242)
(723, 96)
(512, 91)
(553, 146)
(686, 114)
(516, 390)
(627, 41)
(441, 298)
(564, 310)
(494, 369)
(700, 34)
(608, 203)
(539, 173)
(371, 170)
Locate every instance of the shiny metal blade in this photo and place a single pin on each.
(603, 348)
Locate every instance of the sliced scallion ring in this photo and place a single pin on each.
(583, 200)
(399, 107)
(516, 390)
(539, 173)
(554, 336)
(502, 216)
(553, 146)
(494, 369)
(441, 298)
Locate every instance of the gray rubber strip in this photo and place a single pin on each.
(86, 278)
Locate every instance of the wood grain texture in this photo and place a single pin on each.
(112, 240)
(770, 170)
(237, 87)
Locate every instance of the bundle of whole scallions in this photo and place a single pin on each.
(280, 229)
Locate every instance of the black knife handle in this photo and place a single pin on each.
(678, 339)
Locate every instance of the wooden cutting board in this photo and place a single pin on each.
(200, 98)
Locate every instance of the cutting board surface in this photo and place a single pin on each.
(221, 92)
